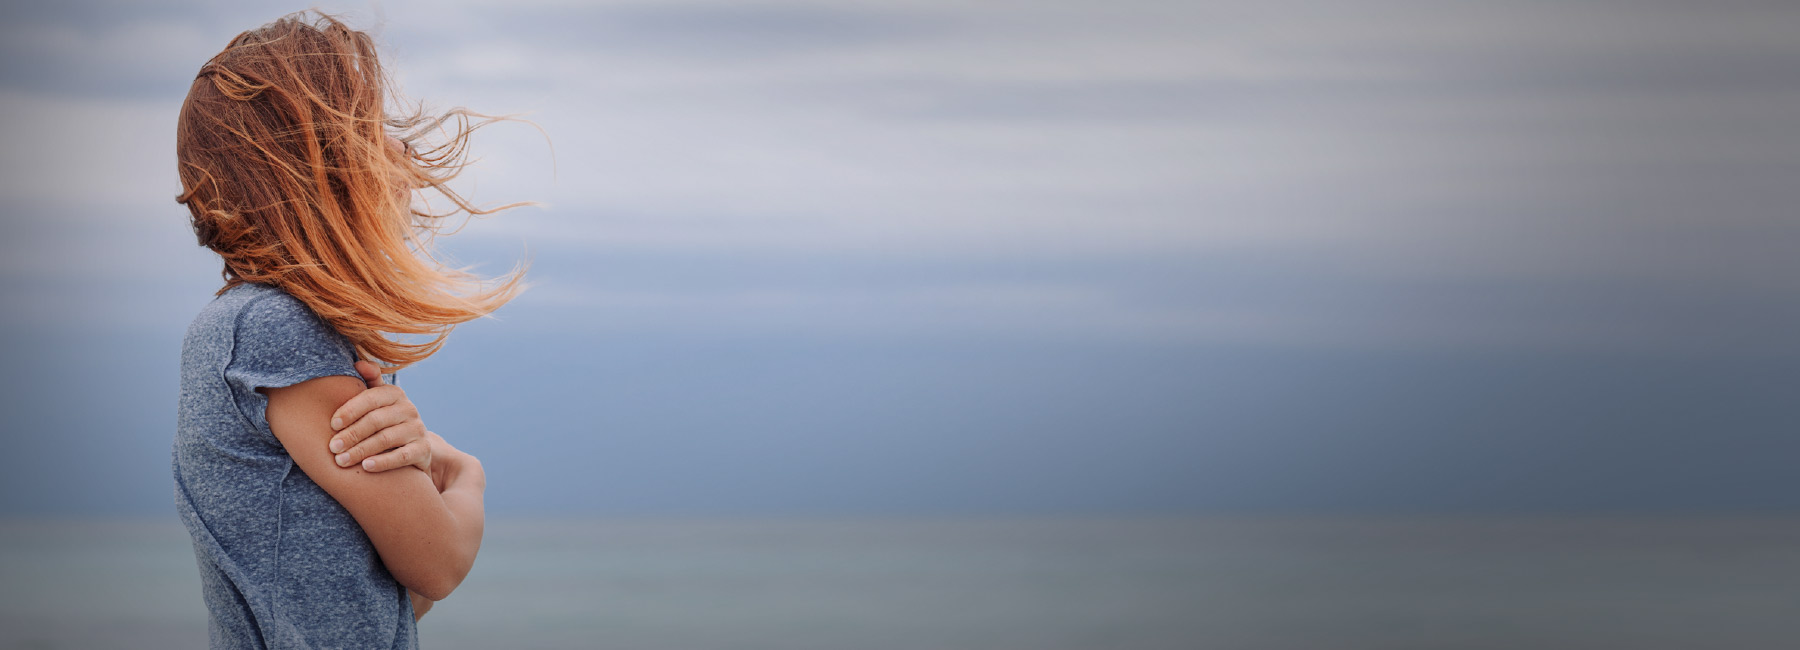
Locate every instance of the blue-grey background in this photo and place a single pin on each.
(979, 325)
(997, 258)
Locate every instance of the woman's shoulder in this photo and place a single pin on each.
(261, 310)
(253, 302)
(265, 301)
(270, 329)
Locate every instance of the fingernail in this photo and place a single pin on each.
(337, 423)
(369, 464)
(343, 460)
(337, 446)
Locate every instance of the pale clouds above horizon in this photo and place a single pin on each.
(967, 257)
(1385, 173)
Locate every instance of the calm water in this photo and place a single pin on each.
(1637, 583)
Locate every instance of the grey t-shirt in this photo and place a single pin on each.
(282, 564)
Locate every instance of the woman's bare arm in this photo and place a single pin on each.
(427, 539)
(420, 604)
(379, 428)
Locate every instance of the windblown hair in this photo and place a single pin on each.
(294, 174)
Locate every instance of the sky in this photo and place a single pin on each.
(986, 258)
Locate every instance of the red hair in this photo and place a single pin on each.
(289, 171)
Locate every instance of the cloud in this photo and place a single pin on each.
(732, 31)
(1502, 148)
(88, 152)
(147, 58)
(1124, 235)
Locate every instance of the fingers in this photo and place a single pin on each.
(371, 374)
(394, 437)
(417, 452)
(372, 422)
(369, 400)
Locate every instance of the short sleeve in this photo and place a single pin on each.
(278, 341)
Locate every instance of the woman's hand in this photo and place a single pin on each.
(380, 428)
(451, 466)
(446, 461)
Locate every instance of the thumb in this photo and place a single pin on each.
(370, 373)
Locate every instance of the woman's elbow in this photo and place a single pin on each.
(434, 589)
(436, 580)
(435, 586)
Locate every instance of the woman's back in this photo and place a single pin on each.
(283, 564)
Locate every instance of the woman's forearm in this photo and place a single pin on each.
(463, 486)
(465, 504)
(463, 490)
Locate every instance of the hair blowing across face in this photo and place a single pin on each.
(298, 178)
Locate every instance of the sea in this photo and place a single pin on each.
(1087, 583)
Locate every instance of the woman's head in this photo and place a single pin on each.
(296, 174)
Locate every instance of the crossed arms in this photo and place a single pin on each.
(425, 522)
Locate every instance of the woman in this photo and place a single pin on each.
(306, 534)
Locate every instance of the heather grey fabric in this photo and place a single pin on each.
(282, 564)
